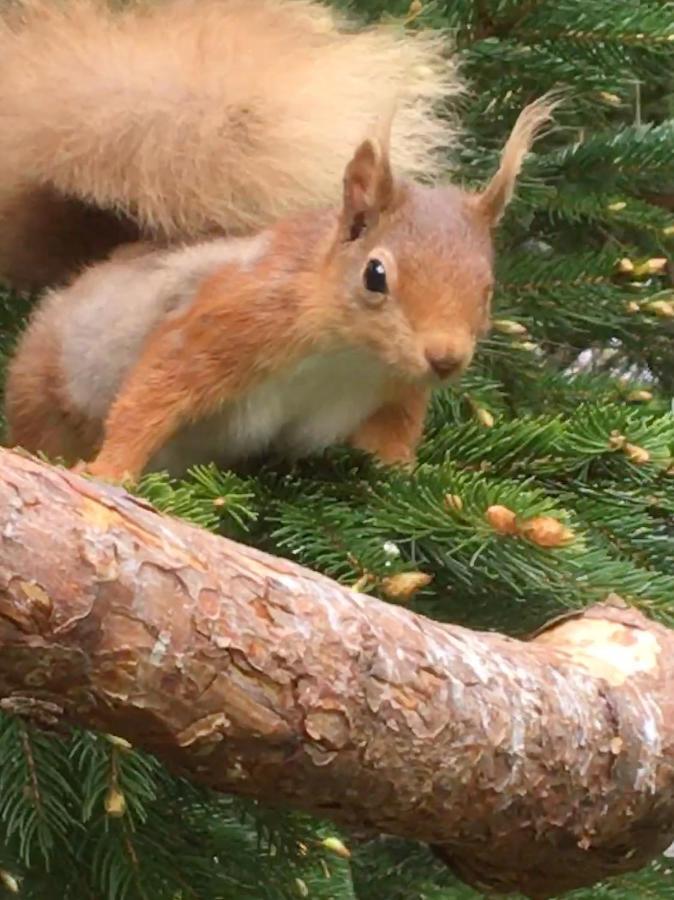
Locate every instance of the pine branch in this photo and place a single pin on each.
(264, 679)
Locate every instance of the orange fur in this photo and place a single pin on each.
(189, 117)
(279, 339)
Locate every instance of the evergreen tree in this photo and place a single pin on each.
(567, 413)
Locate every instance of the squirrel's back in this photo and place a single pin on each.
(189, 117)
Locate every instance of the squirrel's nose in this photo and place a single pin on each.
(444, 366)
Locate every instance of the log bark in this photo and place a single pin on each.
(537, 766)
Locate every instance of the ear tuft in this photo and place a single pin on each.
(368, 187)
(493, 201)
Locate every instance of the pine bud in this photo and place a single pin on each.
(638, 455)
(219, 502)
(119, 742)
(632, 307)
(625, 265)
(662, 308)
(668, 231)
(484, 417)
(453, 501)
(336, 846)
(507, 326)
(529, 346)
(612, 99)
(639, 396)
(302, 888)
(502, 519)
(616, 207)
(9, 881)
(405, 585)
(115, 803)
(616, 440)
(650, 266)
(544, 531)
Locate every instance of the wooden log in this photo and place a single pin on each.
(536, 766)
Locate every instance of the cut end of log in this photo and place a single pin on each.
(615, 648)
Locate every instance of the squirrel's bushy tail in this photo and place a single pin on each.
(189, 116)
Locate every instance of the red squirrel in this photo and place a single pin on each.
(331, 326)
(189, 118)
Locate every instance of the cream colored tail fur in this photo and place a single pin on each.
(188, 116)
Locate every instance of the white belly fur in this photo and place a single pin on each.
(318, 403)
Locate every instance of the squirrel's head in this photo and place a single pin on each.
(413, 265)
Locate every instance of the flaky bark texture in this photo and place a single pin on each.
(536, 766)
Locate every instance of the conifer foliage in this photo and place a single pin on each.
(545, 482)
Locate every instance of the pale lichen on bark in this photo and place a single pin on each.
(535, 766)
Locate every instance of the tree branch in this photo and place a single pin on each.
(538, 766)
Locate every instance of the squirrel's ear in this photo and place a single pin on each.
(494, 199)
(368, 188)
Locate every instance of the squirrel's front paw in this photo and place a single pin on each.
(397, 455)
(106, 473)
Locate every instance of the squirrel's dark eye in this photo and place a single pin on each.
(375, 277)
